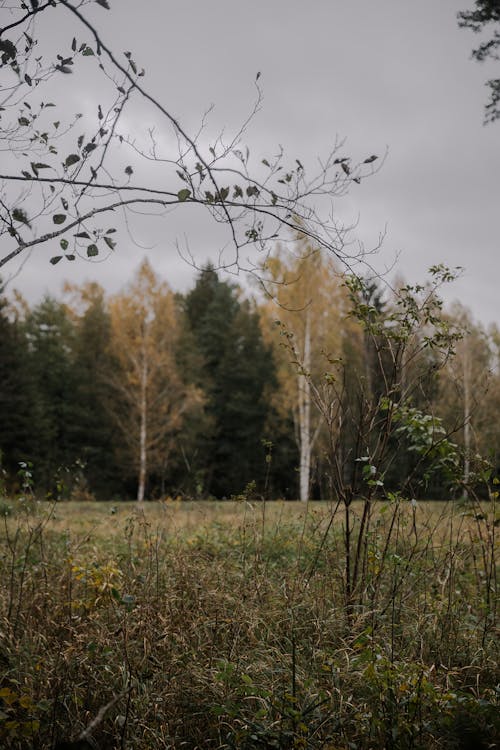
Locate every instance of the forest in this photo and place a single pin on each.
(313, 384)
(160, 586)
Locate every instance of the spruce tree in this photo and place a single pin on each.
(237, 377)
(17, 396)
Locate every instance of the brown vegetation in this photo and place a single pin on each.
(225, 625)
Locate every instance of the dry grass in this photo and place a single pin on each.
(178, 518)
(225, 625)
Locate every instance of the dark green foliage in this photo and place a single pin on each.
(94, 431)
(55, 399)
(50, 337)
(17, 395)
(237, 376)
(282, 458)
(61, 401)
(486, 12)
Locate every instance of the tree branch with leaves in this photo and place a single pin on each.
(486, 13)
(65, 176)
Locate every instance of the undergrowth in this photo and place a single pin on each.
(237, 635)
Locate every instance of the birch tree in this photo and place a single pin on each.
(154, 399)
(468, 395)
(308, 303)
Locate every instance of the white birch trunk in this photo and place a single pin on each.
(467, 415)
(305, 413)
(143, 428)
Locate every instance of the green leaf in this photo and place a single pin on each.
(90, 147)
(129, 170)
(87, 52)
(23, 121)
(69, 257)
(110, 242)
(55, 259)
(92, 251)
(64, 244)
(59, 218)
(110, 231)
(71, 159)
(82, 235)
(103, 4)
(183, 194)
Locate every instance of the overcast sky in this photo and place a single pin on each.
(392, 75)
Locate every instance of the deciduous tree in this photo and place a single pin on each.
(309, 304)
(153, 399)
(467, 395)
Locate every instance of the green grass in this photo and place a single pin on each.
(226, 625)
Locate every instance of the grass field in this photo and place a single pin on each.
(231, 625)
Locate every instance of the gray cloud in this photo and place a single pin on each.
(381, 74)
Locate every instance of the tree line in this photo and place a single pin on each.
(325, 385)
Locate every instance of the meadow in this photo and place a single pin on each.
(229, 625)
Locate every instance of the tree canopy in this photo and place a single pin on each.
(148, 394)
(486, 14)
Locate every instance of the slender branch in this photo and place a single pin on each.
(176, 124)
(26, 16)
